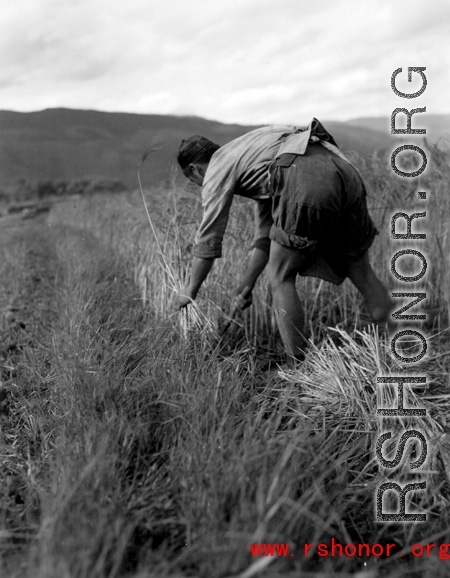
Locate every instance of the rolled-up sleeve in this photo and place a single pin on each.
(217, 197)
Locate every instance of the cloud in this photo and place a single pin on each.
(249, 61)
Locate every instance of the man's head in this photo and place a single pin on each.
(194, 155)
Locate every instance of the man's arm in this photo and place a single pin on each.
(259, 256)
(199, 271)
(217, 196)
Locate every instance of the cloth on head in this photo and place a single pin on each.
(191, 148)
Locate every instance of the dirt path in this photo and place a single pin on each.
(28, 272)
(28, 265)
(69, 319)
(33, 264)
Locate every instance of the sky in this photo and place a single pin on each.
(237, 61)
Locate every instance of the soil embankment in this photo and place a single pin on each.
(28, 273)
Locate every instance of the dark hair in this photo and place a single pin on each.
(196, 149)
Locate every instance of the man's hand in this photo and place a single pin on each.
(184, 298)
(241, 299)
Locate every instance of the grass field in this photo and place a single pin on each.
(137, 443)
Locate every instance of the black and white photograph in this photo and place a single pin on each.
(224, 289)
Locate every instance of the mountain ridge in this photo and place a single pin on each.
(63, 143)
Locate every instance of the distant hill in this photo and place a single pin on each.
(436, 125)
(67, 144)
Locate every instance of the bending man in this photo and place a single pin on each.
(311, 218)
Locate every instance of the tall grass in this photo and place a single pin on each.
(166, 452)
(176, 211)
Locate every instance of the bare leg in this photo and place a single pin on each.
(284, 263)
(372, 289)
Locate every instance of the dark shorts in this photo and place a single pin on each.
(319, 206)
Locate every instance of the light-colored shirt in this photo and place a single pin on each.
(241, 167)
